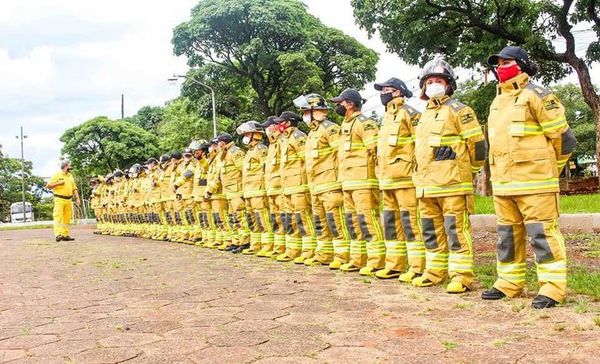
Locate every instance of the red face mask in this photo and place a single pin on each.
(506, 73)
(281, 127)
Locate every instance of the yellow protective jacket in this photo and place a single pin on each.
(65, 190)
(447, 122)
(96, 196)
(272, 165)
(253, 174)
(230, 172)
(164, 182)
(530, 140)
(200, 179)
(136, 192)
(293, 172)
(321, 157)
(396, 146)
(214, 186)
(184, 182)
(152, 185)
(357, 153)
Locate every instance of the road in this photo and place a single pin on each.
(106, 299)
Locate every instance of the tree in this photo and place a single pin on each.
(180, 126)
(273, 48)
(10, 185)
(101, 145)
(148, 118)
(468, 31)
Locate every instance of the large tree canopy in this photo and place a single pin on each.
(274, 48)
(10, 185)
(466, 32)
(100, 145)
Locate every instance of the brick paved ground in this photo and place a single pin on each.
(105, 299)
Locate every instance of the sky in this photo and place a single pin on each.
(63, 62)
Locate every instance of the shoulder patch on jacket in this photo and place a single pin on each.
(413, 114)
(328, 124)
(299, 134)
(539, 91)
(455, 104)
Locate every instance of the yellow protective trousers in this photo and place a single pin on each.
(222, 229)
(238, 222)
(447, 235)
(259, 222)
(170, 216)
(403, 242)
(163, 227)
(536, 217)
(333, 238)
(61, 214)
(366, 238)
(300, 238)
(207, 223)
(276, 205)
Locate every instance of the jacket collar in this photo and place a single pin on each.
(437, 102)
(395, 105)
(514, 85)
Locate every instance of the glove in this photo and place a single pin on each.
(444, 153)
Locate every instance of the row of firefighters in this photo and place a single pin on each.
(390, 200)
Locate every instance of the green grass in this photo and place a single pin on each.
(581, 280)
(26, 227)
(568, 204)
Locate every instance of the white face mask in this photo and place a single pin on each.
(306, 118)
(433, 90)
(246, 140)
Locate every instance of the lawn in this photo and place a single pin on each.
(568, 204)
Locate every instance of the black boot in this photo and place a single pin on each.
(493, 294)
(541, 301)
(67, 238)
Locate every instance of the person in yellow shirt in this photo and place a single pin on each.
(64, 190)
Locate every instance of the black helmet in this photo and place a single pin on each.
(176, 155)
(204, 147)
(152, 160)
(225, 138)
(311, 102)
(292, 117)
(519, 55)
(165, 158)
(118, 173)
(396, 83)
(439, 67)
(270, 121)
(352, 95)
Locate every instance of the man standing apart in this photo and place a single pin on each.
(64, 189)
(530, 143)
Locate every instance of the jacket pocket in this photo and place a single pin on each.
(444, 172)
(356, 168)
(402, 165)
(533, 164)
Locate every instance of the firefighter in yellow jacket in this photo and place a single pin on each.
(253, 185)
(300, 238)
(97, 185)
(357, 155)
(530, 142)
(201, 207)
(183, 187)
(274, 191)
(230, 173)
(395, 167)
(450, 147)
(220, 237)
(333, 240)
(64, 190)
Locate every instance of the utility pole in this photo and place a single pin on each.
(212, 95)
(22, 137)
(122, 106)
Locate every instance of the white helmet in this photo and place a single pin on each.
(249, 127)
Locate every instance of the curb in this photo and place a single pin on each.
(573, 223)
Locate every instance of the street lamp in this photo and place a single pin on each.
(22, 137)
(212, 94)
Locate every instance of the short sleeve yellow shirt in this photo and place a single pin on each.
(66, 189)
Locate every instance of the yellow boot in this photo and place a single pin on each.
(336, 264)
(387, 274)
(367, 271)
(408, 276)
(349, 267)
(422, 282)
(456, 287)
